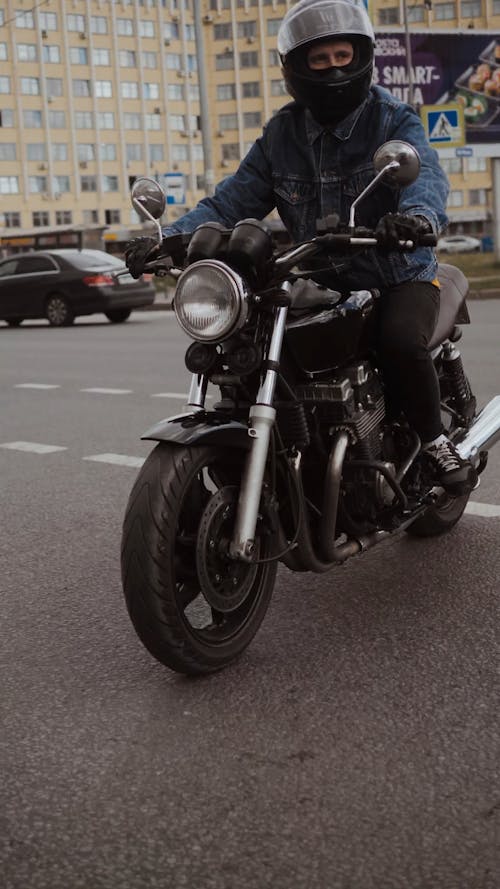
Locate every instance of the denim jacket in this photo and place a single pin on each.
(307, 171)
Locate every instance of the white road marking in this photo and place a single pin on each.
(36, 386)
(487, 510)
(184, 396)
(117, 459)
(33, 447)
(102, 391)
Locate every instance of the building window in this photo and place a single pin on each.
(273, 26)
(57, 120)
(26, 52)
(451, 165)
(4, 84)
(125, 27)
(179, 153)
(81, 88)
(477, 164)
(156, 153)
(54, 86)
(226, 92)
(36, 151)
(231, 151)
(149, 60)
(127, 58)
(151, 90)
(250, 90)
(88, 183)
(51, 54)
(198, 152)
(61, 184)
(108, 151)
(8, 151)
(40, 217)
(228, 122)
(176, 122)
(456, 199)
(103, 89)
(152, 122)
(278, 88)
(6, 117)
(246, 29)
(48, 21)
(83, 120)
(32, 118)
(59, 151)
(129, 89)
(224, 61)
(470, 9)
(175, 91)
(274, 58)
(189, 32)
(496, 7)
(101, 57)
(12, 219)
(98, 24)
(252, 119)
(24, 19)
(249, 59)
(64, 217)
(112, 217)
(132, 120)
(445, 11)
(3, 52)
(9, 185)
(90, 217)
(37, 184)
(105, 120)
(478, 196)
(146, 29)
(133, 151)
(85, 151)
(78, 55)
(389, 16)
(170, 31)
(75, 22)
(30, 86)
(223, 31)
(415, 14)
(110, 183)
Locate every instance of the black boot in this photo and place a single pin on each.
(456, 475)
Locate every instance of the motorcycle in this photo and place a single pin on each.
(297, 462)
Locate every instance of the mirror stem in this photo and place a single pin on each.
(392, 165)
(142, 211)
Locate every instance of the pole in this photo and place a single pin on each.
(206, 132)
(409, 60)
(495, 168)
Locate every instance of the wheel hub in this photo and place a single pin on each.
(225, 582)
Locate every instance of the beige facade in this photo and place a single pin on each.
(94, 93)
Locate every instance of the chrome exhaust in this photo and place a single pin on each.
(484, 432)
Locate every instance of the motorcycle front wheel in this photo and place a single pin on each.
(194, 609)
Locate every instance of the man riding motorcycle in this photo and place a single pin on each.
(312, 160)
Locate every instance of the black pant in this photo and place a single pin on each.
(408, 315)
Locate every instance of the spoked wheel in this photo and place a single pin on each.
(58, 311)
(193, 607)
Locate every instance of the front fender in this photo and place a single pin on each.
(200, 427)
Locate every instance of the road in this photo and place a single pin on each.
(355, 745)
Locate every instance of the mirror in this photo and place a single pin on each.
(149, 200)
(400, 160)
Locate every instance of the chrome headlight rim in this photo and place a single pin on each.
(239, 291)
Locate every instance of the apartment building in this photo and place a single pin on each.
(94, 93)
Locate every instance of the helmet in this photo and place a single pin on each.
(331, 93)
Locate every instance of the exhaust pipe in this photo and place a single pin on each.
(484, 432)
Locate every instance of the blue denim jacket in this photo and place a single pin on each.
(308, 171)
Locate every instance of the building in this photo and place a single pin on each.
(95, 93)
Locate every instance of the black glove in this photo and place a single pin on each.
(138, 252)
(396, 227)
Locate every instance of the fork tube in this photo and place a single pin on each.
(261, 417)
(198, 391)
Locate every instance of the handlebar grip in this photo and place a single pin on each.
(429, 240)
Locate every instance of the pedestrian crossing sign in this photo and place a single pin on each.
(444, 124)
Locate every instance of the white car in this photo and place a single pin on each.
(459, 244)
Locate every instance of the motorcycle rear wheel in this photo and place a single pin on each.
(171, 615)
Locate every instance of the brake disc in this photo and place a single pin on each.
(225, 582)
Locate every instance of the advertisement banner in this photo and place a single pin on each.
(447, 68)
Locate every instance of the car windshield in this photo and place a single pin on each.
(90, 259)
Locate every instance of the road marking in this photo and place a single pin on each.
(33, 447)
(100, 391)
(117, 459)
(184, 396)
(36, 386)
(487, 510)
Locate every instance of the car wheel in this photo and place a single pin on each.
(117, 316)
(14, 322)
(58, 311)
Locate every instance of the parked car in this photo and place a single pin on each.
(459, 244)
(61, 284)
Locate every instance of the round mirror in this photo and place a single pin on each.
(148, 195)
(407, 158)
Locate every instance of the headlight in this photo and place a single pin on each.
(210, 301)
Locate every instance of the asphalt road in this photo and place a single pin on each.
(355, 745)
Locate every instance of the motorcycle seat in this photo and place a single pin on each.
(454, 289)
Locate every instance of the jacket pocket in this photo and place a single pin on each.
(297, 204)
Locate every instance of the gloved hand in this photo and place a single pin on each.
(138, 252)
(396, 227)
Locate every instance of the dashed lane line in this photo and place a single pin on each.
(117, 459)
(102, 391)
(33, 447)
(37, 386)
(486, 510)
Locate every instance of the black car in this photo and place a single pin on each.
(61, 284)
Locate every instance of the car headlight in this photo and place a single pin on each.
(210, 301)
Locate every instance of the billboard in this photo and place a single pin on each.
(447, 68)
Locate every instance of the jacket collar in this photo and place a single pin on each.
(342, 130)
